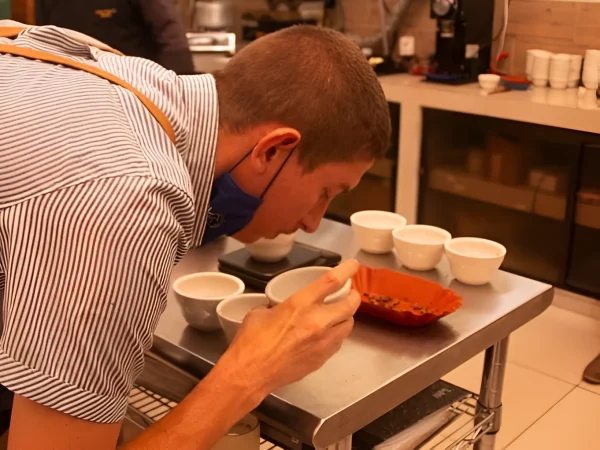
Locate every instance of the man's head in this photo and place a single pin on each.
(309, 91)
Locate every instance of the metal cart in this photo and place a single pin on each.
(380, 366)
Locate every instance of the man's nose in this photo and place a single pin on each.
(311, 222)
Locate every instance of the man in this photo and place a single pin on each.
(592, 371)
(151, 29)
(109, 168)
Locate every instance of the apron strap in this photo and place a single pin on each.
(10, 32)
(51, 58)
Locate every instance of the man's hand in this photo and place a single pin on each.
(279, 346)
(275, 347)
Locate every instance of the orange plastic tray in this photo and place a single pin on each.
(419, 302)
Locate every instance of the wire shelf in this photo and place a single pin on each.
(464, 429)
(149, 407)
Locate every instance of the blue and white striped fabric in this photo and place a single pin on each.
(96, 205)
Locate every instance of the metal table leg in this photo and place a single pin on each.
(490, 395)
(346, 444)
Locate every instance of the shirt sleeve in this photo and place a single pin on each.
(87, 271)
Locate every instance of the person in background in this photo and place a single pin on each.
(592, 371)
(151, 29)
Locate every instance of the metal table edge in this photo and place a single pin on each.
(335, 428)
(269, 411)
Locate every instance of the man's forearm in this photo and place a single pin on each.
(204, 416)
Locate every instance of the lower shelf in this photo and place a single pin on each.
(145, 407)
(520, 198)
(464, 430)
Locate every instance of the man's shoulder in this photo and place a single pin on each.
(140, 187)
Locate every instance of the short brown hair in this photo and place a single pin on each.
(315, 80)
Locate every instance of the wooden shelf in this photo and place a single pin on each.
(588, 215)
(520, 198)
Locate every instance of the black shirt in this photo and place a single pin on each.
(151, 29)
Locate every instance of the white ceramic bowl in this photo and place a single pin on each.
(531, 65)
(559, 83)
(575, 70)
(590, 83)
(272, 250)
(199, 294)
(288, 283)
(473, 260)
(420, 247)
(488, 81)
(244, 435)
(559, 70)
(233, 310)
(373, 230)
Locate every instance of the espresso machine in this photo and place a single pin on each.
(463, 40)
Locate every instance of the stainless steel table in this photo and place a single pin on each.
(380, 366)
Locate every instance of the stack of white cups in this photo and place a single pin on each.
(559, 70)
(591, 66)
(538, 67)
(575, 70)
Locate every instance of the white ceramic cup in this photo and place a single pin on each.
(592, 55)
(199, 294)
(244, 435)
(233, 310)
(590, 82)
(373, 230)
(559, 83)
(529, 63)
(288, 283)
(420, 247)
(272, 250)
(559, 70)
(540, 67)
(488, 81)
(575, 70)
(591, 66)
(474, 260)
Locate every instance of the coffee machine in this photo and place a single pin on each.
(463, 41)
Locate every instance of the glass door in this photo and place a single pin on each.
(584, 265)
(507, 181)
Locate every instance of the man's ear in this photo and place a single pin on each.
(275, 145)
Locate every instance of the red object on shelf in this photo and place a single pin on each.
(421, 302)
(507, 78)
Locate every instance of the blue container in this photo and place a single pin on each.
(514, 85)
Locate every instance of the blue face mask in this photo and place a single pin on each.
(231, 208)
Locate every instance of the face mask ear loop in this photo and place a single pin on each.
(241, 160)
(277, 173)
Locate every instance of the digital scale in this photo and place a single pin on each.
(257, 274)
